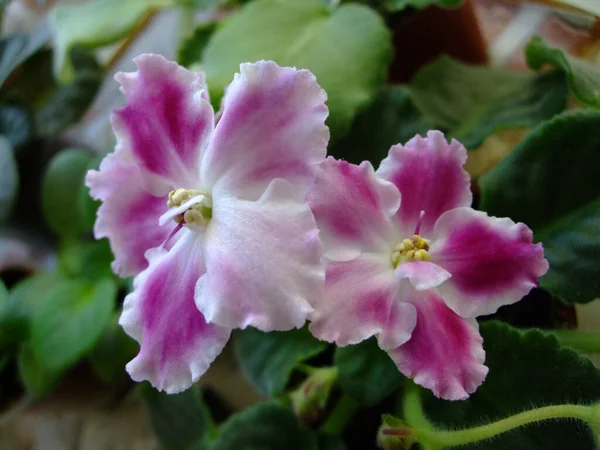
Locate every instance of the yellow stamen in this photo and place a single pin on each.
(414, 249)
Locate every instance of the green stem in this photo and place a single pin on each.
(342, 413)
(468, 436)
(587, 342)
(413, 408)
(430, 437)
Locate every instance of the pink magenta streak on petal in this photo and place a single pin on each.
(429, 174)
(362, 299)
(492, 261)
(444, 353)
(177, 345)
(167, 118)
(128, 216)
(352, 208)
(272, 125)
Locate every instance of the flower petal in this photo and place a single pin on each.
(493, 261)
(263, 262)
(352, 208)
(272, 126)
(177, 345)
(128, 216)
(167, 119)
(421, 274)
(362, 299)
(445, 352)
(429, 174)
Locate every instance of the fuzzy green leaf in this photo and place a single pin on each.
(268, 359)
(347, 48)
(473, 102)
(550, 182)
(366, 373)
(527, 369)
(584, 78)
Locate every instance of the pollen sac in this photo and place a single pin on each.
(198, 213)
(414, 249)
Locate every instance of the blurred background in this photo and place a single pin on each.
(62, 379)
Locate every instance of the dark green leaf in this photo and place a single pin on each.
(330, 442)
(366, 373)
(15, 124)
(399, 5)
(474, 102)
(112, 352)
(390, 119)
(24, 300)
(268, 359)
(584, 78)
(193, 46)
(526, 370)
(86, 259)
(266, 426)
(9, 182)
(3, 296)
(38, 379)
(550, 182)
(66, 203)
(17, 48)
(178, 420)
(347, 48)
(69, 102)
(93, 24)
(70, 321)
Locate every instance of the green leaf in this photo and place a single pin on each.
(266, 426)
(399, 5)
(9, 182)
(94, 24)
(23, 301)
(192, 48)
(473, 102)
(268, 359)
(15, 125)
(330, 442)
(71, 320)
(86, 259)
(3, 296)
(347, 48)
(366, 373)
(67, 206)
(16, 48)
(550, 182)
(584, 78)
(390, 119)
(178, 420)
(68, 103)
(37, 378)
(112, 352)
(527, 369)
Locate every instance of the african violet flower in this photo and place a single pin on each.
(410, 261)
(211, 216)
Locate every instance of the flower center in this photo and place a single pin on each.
(190, 206)
(414, 249)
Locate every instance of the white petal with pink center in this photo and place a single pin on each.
(456, 261)
(217, 209)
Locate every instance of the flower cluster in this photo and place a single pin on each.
(237, 219)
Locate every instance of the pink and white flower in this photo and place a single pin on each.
(211, 216)
(408, 260)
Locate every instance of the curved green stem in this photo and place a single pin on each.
(432, 438)
(470, 435)
(342, 413)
